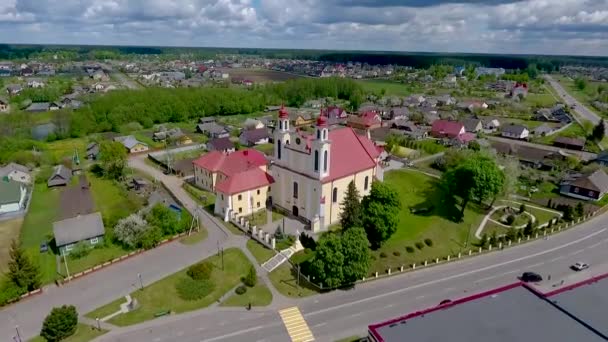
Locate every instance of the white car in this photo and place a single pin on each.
(579, 266)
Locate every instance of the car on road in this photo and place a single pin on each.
(445, 301)
(530, 277)
(579, 266)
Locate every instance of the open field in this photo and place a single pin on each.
(258, 75)
(9, 230)
(390, 87)
(61, 149)
(261, 253)
(585, 96)
(162, 295)
(259, 295)
(113, 201)
(84, 333)
(285, 280)
(540, 100)
(267, 149)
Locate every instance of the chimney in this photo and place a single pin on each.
(368, 134)
(246, 152)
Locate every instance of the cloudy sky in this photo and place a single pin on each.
(497, 26)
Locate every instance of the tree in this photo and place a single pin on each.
(568, 213)
(474, 145)
(165, 219)
(529, 229)
(580, 210)
(355, 248)
(251, 278)
(113, 157)
(580, 83)
(130, 229)
(21, 270)
(351, 208)
(326, 266)
(522, 208)
(60, 323)
(599, 131)
(483, 242)
(380, 213)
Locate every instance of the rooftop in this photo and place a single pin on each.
(350, 153)
(78, 228)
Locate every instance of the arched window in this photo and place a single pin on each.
(318, 134)
(280, 124)
(316, 160)
(295, 189)
(325, 134)
(325, 161)
(278, 149)
(366, 183)
(334, 195)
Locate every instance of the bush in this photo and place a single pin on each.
(200, 271)
(522, 208)
(397, 253)
(251, 278)
(60, 323)
(240, 290)
(409, 249)
(150, 238)
(419, 245)
(9, 291)
(510, 219)
(81, 250)
(190, 289)
(428, 242)
(383, 255)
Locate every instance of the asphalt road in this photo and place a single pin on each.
(346, 313)
(579, 108)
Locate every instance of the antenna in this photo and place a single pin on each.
(195, 221)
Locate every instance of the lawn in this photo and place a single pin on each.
(96, 256)
(113, 201)
(585, 96)
(390, 87)
(259, 295)
(107, 309)
(38, 227)
(267, 149)
(261, 253)
(195, 237)
(65, 148)
(202, 197)
(286, 282)
(540, 100)
(418, 191)
(261, 218)
(84, 333)
(9, 230)
(574, 130)
(430, 146)
(162, 295)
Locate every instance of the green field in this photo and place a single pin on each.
(113, 201)
(585, 96)
(285, 280)
(540, 100)
(261, 253)
(96, 256)
(267, 149)
(259, 295)
(84, 333)
(162, 295)
(61, 149)
(9, 230)
(390, 87)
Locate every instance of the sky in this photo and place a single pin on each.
(574, 27)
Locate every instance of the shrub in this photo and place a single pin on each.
(200, 271)
(240, 290)
(409, 249)
(396, 253)
(80, 250)
(383, 255)
(150, 238)
(510, 219)
(60, 323)
(251, 278)
(9, 291)
(428, 242)
(522, 208)
(190, 289)
(419, 245)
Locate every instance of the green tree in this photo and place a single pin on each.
(522, 208)
(351, 208)
(380, 212)
(21, 270)
(599, 131)
(529, 229)
(326, 267)
(355, 248)
(113, 158)
(60, 323)
(474, 145)
(164, 218)
(251, 278)
(483, 242)
(580, 83)
(580, 210)
(532, 71)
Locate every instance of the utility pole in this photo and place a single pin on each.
(222, 258)
(65, 261)
(141, 283)
(18, 334)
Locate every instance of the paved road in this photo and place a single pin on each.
(579, 108)
(582, 154)
(345, 313)
(110, 283)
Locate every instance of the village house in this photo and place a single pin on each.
(16, 172)
(61, 176)
(520, 89)
(12, 196)
(92, 151)
(13, 89)
(254, 137)
(472, 125)
(4, 104)
(590, 187)
(447, 129)
(366, 121)
(569, 143)
(398, 113)
(224, 145)
(515, 132)
(212, 130)
(543, 130)
(132, 144)
(88, 229)
(38, 107)
(301, 118)
(250, 124)
(35, 83)
(490, 124)
(312, 172)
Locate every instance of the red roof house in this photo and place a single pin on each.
(350, 153)
(243, 181)
(447, 129)
(367, 120)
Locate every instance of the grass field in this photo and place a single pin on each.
(390, 87)
(261, 253)
(540, 100)
(84, 333)
(9, 230)
(259, 295)
(267, 149)
(61, 149)
(194, 238)
(112, 200)
(162, 295)
(585, 96)
(95, 257)
(286, 282)
(417, 190)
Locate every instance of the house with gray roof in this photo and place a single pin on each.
(12, 196)
(88, 229)
(16, 172)
(132, 144)
(13, 89)
(472, 125)
(591, 187)
(38, 107)
(515, 131)
(61, 176)
(213, 130)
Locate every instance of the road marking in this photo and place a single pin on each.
(357, 314)
(538, 264)
(319, 325)
(555, 259)
(595, 245)
(455, 276)
(296, 326)
(419, 297)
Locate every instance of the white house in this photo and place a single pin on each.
(16, 172)
(12, 196)
(515, 132)
(35, 83)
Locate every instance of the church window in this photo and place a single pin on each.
(325, 161)
(334, 196)
(366, 183)
(279, 149)
(316, 160)
(295, 189)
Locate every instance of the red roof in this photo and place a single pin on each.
(245, 180)
(233, 163)
(466, 137)
(350, 153)
(283, 114)
(447, 128)
(371, 118)
(322, 120)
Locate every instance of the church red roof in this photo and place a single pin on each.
(233, 163)
(283, 114)
(350, 153)
(243, 181)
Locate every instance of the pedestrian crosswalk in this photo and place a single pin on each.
(296, 326)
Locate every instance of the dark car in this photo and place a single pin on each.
(531, 277)
(445, 301)
(44, 247)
